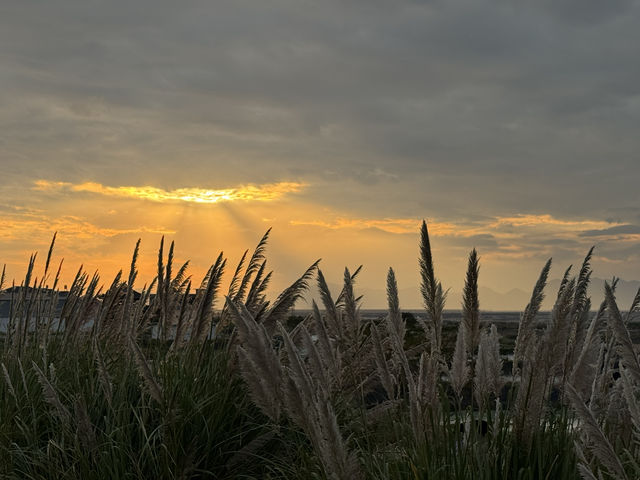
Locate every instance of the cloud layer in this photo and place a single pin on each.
(511, 126)
(246, 193)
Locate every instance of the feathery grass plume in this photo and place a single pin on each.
(23, 309)
(7, 379)
(395, 317)
(532, 391)
(256, 297)
(240, 282)
(557, 332)
(414, 391)
(259, 363)
(161, 290)
(496, 380)
(152, 385)
(583, 465)
(563, 283)
(86, 306)
(325, 348)
(142, 314)
(334, 323)
(596, 441)
(351, 308)
(316, 366)
(432, 293)
(580, 298)
(49, 315)
(459, 371)
(627, 352)
(109, 306)
(84, 427)
(427, 383)
(577, 336)
(168, 270)
(600, 378)
(51, 396)
(396, 327)
(630, 392)
(181, 278)
(234, 285)
(23, 377)
(103, 375)
(180, 324)
(49, 253)
(319, 421)
(253, 266)
(384, 373)
(615, 416)
(481, 379)
(69, 309)
(547, 359)
(635, 307)
(11, 325)
(352, 280)
(287, 299)
(525, 327)
(584, 369)
(471, 305)
(125, 322)
(204, 313)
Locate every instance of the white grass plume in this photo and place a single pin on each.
(395, 316)
(203, 317)
(287, 299)
(432, 293)
(51, 396)
(259, 364)
(382, 364)
(584, 368)
(525, 327)
(334, 324)
(627, 352)
(597, 442)
(319, 421)
(459, 371)
(150, 382)
(324, 345)
(471, 304)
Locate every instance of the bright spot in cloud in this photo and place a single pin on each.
(264, 192)
(390, 225)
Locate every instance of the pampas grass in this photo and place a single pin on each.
(169, 384)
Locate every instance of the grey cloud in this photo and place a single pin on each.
(470, 106)
(617, 230)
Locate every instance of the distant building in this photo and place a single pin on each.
(13, 295)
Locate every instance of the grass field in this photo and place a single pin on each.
(174, 381)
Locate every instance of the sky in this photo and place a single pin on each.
(511, 127)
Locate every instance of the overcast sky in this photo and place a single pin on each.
(509, 126)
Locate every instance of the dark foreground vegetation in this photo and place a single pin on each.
(121, 384)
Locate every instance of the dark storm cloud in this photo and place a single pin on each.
(447, 108)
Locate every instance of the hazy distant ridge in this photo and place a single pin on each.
(514, 300)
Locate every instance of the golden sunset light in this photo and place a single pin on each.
(293, 240)
(262, 193)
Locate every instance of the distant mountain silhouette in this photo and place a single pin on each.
(514, 300)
